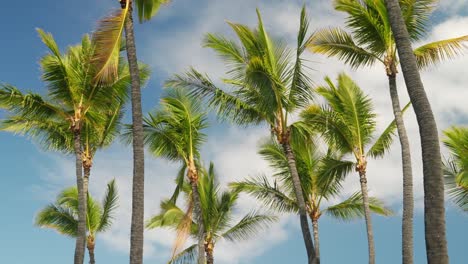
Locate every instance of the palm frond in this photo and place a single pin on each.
(270, 195)
(456, 190)
(433, 53)
(227, 106)
(335, 42)
(61, 219)
(353, 208)
(109, 204)
(188, 255)
(249, 226)
(416, 14)
(107, 39)
(383, 143)
(148, 8)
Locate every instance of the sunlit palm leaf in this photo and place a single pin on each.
(109, 205)
(106, 39)
(435, 52)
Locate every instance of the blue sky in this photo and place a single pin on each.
(169, 44)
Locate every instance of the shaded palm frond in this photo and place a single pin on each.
(416, 14)
(454, 188)
(188, 255)
(61, 219)
(148, 8)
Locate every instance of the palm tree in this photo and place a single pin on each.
(434, 210)
(73, 100)
(456, 167)
(370, 42)
(269, 83)
(175, 132)
(348, 123)
(108, 40)
(217, 216)
(63, 215)
(321, 180)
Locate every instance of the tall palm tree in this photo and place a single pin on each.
(73, 100)
(348, 123)
(434, 210)
(321, 180)
(63, 215)
(456, 167)
(371, 41)
(108, 40)
(217, 215)
(269, 83)
(175, 132)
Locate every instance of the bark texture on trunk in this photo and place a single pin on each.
(137, 226)
(81, 230)
(408, 200)
(199, 219)
(367, 215)
(434, 210)
(312, 258)
(315, 229)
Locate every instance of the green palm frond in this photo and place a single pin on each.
(335, 42)
(227, 105)
(269, 194)
(457, 191)
(353, 208)
(249, 226)
(61, 219)
(433, 53)
(188, 255)
(383, 143)
(301, 92)
(366, 19)
(109, 204)
(106, 39)
(148, 8)
(170, 216)
(416, 14)
(331, 172)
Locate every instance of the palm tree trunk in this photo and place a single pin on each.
(367, 214)
(313, 259)
(81, 230)
(209, 254)
(408, 203)
(315, 229)
(137, 226)
(91, 244)
(434, 210)
(199, 218)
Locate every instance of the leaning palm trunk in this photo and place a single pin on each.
(408, 203)
(367, 214)
(434, 211)
(91, 244)
(137, 226)
(313, 259)
(81, 230)
(315, 229)
(199, 220)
